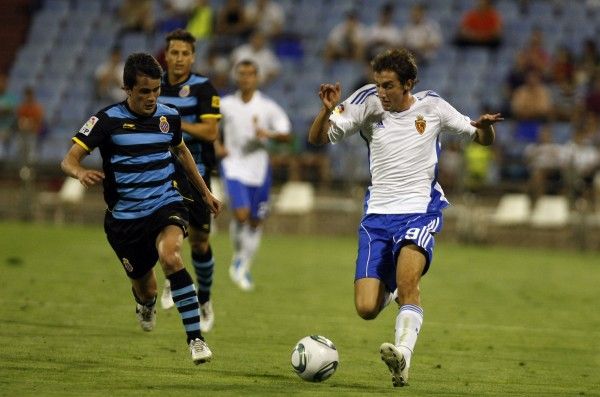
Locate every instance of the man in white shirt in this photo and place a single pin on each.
(249, 121)
(404, 202)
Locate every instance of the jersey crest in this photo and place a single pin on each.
(184, 91)
(420, 124)
(164, 124)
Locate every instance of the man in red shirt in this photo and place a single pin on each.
(481, 26)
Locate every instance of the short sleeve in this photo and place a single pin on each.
(453, 121)
(355, 114)
(93, 133)
(279, 121)
(209, 102)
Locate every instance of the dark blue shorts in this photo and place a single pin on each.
(381, 236)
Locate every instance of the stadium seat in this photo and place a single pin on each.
(550, 211)
(513, 209)
(295, 198)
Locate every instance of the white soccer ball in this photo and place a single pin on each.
(315, 358)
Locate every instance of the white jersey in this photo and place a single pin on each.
(403, 148)
(248, 159)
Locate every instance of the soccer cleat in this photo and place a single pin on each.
(207, 316)
(166, 299)
(396, 363)
(240, 276)
(146, 315)
(200, 351)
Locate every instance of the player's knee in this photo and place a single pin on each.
(171, 262)
(199, 246)
(366, 310)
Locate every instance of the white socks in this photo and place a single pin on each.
(245, 240)
(408, 325)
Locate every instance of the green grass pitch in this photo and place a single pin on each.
(498, 322)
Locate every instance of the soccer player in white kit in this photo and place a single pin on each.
(249, 121)
(403, 205)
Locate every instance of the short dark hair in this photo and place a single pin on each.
(401, 61)
(247, 62)
(140, 63)
(183, 35)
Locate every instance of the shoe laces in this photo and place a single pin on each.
(198, 345)
(146, 312)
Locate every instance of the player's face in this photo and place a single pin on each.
(390, 90)
(144, 94)
(247, 77)
(179, 57)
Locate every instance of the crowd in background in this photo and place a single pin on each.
(550, 92)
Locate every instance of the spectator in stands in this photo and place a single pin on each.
(514, 79)
(592, 97)
(137, 16)
(8, 104)
(258, 51)
(546, 162)
(109, 78)
(588, 62)
(200, 24)
(583, 163)
(481, 26)
(562, 75)
(536, 55)
(232, 21)
(421, 35)
(30, 122)
(531, 105)
(383, 34)
(216, 66)
(266, 16)
(175, 14)
(347, 39)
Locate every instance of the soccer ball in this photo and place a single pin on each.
(315, 358)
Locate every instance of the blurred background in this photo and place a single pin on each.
(536, 61)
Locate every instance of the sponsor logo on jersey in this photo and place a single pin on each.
(184, 91)
(127, 265)
(339, 109)
(128, 126)
(215, 102)
(87, 127)
(420, 124)
(164, 124)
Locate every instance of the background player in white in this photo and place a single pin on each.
(404, 202)
(249, 121)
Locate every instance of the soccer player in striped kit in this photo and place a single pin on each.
(145, 219)
(198, 104)
(403, 204)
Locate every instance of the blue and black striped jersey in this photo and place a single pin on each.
(196, 99)
(136, 160)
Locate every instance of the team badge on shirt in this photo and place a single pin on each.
(164, 124)
(184, 91)
(420, 124)
(215, 101)
(87, 127)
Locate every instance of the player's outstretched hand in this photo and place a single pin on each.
(330, 95)
(90, 177)
(485, 120)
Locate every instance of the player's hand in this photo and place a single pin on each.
(213, 203)
(330, 95)
(90, 177)
(486, 120)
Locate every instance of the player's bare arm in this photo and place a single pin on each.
(71, 165)
(330, 95)
(187, 161)
(485, 134)
(207, 129)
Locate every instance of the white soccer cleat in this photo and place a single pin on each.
(207, 317)
(240, 276)
(166, 299)
(200, 351)
(396, 363)
(146, 315)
